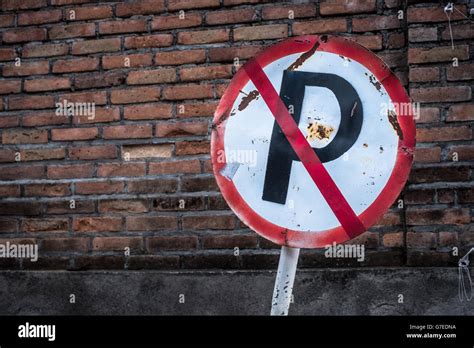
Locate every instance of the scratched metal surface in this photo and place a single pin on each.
(361, 173)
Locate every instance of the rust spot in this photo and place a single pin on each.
(374, 82)
(381, 149)
(247, 99)
(392, 118)
(224, 117)
(318, 131)
(285, 236)
(301, 59)
(324, 38)
(365, 145)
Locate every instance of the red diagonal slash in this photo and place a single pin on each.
(328, 188)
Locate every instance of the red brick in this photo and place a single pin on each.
(144, 77)
(421, 240)
(99, 187)
(97, 224)
(9, 191)
(432, 216)
(123, 206)
(228, 54)
(229, 241)
(396, 40)
(72, 30)
(24, 136)
(31, 102)
(7, 54)
(126, 61)
(179, 203)
(419, 197)
(190, 91)
(425, 135)
(461, 72)
(147, 151)
(390, 218)
(203, 36)
(119, 169)
(206, 73)
(466, 195)
(87, 12)
(424, 74)
(174, 5)
(428, 115)
(445, 196)
(175, 167)
(372, 42)
(19, 208)
(102, 115)
(181, 129)
(65, 244)
(39, 17)
(93, 152)
(127, 132)
(148, 41)
(26, 69)
(321, 26)
(117, 243)
(332, 7)
(125, 26)
(47, 190)
(373, 23)
(135, 95)
(427, 154)
(283, 11)
(464, 152)
(75, 65)
(433, 14)
(68, 2)
(48, 84)
(98, 97)
(393, 240)
(176, 22)
(45, 225)
(40, 154)
(24, 35)
(64, 207)
(437, 54)
(139, 7)
(12, 5)
(459, 32)
(46, 50)
(99, 80)
(178, 57)
(261, 32)
(196, 109)
(198, 184)
(460, 112)
(74, 134)
(96, 46)
(7, 20)
(448, 239)
(70, 171)
(441, 94)
(8, 120)
(153, 186)
(231, 16)
(148, 111)
(422, 34)
(172, 243)
(151, 223)
(214, 222)
(437, 174)
(192, 148)
(10, 86)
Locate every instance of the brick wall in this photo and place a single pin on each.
(138, 175)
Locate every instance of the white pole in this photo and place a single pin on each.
(284, 280)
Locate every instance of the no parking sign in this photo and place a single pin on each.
(312, 142)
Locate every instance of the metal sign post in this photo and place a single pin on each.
(284, 280)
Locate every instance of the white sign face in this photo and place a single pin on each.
(346, 116)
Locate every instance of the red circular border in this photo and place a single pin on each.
(301, 239)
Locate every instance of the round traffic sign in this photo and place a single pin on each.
(312, 141)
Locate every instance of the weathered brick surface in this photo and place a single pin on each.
(137, 173)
